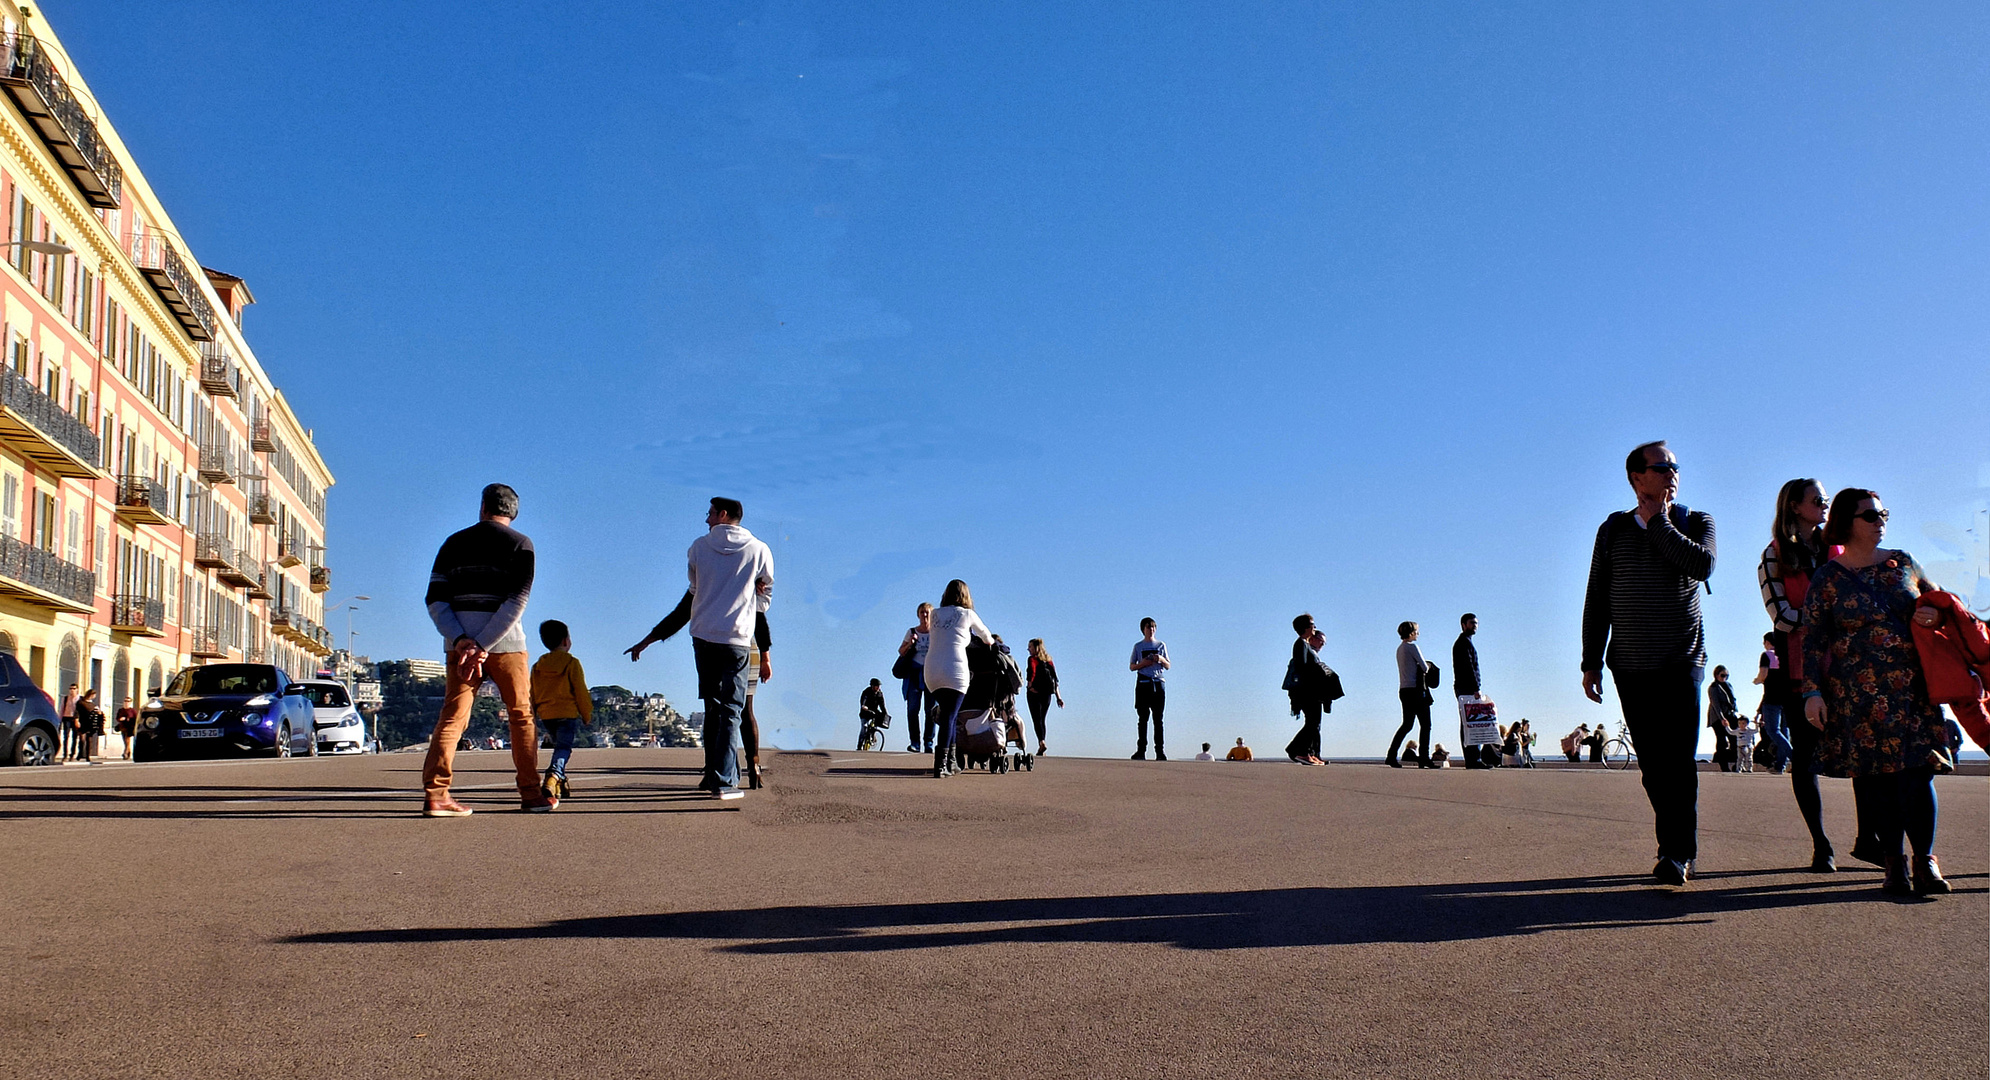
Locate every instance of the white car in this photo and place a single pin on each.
(341, 730)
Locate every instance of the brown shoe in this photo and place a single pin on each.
(447, 807)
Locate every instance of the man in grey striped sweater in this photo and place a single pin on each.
(1642, 617)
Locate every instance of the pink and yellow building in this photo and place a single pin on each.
(160, 503)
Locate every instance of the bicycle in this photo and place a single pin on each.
(1619, 753)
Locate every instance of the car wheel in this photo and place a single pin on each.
(35, 747)
(283, 741)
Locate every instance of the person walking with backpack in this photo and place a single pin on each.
(1150, 687)
(954, 625)
(477, 592)
(1641, 615)
(919, 706)
(731, 583)
(1307, 685)
(1040, 688)
(1413, 678)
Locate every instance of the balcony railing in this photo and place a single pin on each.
(289, 552)
(143, 499)
(255, 654)
(32, 423)
(321, 579)
(155, 255)
(212, 551)
(262, 508)
(262, 581)
(28, 72)
(219, 374)
(262, 435)
(217, 463)
(204, 642)
(138, 615)
(27, 572)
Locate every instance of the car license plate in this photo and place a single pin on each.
(200, 733)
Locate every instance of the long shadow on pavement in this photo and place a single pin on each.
(1266, 918)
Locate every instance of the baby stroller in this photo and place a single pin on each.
(987, 723)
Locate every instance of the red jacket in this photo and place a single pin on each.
(1955, 654)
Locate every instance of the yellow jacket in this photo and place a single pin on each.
(559, 688)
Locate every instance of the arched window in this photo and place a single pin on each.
(157, 681)
(68, 668)
(120, 680)
(7, 643)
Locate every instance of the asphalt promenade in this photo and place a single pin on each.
(859, 919)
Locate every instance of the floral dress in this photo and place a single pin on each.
(1878, 718)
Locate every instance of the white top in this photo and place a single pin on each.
(728, 567)
(946, 647)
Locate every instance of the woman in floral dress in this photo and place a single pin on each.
(1863, 690)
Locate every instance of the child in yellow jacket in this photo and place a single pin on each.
(560, 701)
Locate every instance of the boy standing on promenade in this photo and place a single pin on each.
(476, 598)
(561, 702)
(732, 580)
(1150, 690)
(1642, 616)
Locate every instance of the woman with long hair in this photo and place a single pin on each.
(1796, 550)
(1040, 687)
(90, 721)
(1863, 691)
(954, 625)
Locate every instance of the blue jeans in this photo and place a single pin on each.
(1773, 731)
(915, 694)
(722, 683)
(563, 731)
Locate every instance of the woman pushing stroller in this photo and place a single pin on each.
(947, 675)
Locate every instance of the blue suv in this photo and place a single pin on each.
(222, 708)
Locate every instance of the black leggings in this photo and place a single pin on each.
(749, 732)
(1039, 708)
(1803, 777)
(948, 711)
(1899, 804)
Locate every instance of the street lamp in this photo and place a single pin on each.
(41, 247)
(347, 604)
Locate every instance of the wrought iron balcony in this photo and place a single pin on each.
(239, 571)
(212, 551)
(262, 508)
(176, 285)
(204, 642)
(39, 429)
(29, 75)
(262, 435)
(29, 573)
(289, 552)
(138, 615)
(321, 579)
(264, 581)
(280, 620)
(144, 500)
(219, 374)
(217, 463)
(255, 654)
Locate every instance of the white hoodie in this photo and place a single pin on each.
(946, 649)
(728, 567)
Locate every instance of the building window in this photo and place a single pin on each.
(10, 505)
(74, 547)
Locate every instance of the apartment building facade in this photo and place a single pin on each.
(160, 503)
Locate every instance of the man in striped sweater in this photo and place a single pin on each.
(1642, 617)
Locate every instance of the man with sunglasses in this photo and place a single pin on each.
(1641, 616)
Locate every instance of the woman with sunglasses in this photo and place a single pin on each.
(1863, 691)
(1795, 552)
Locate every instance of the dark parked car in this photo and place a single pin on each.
(29, 728)
(219, 708)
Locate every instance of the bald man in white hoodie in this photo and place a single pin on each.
(732, 581)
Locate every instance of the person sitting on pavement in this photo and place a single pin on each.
(1205, 755)
(1239, 752)
(1440, 758)
(1574, 741)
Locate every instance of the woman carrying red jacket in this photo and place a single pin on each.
(1955, 653)
(1864, 692)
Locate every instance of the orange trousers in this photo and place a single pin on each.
(514, 683)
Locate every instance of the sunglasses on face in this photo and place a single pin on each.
(1871, 517)
(1662, 466)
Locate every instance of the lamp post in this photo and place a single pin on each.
(347, 604)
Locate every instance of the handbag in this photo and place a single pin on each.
(904, 667)
(1432, 676)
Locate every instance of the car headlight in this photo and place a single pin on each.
(350, 721)
(151, 723)
(155, 703)
(260, 700)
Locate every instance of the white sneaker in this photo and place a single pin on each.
(728, 793)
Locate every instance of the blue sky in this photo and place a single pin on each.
(1209, 312)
